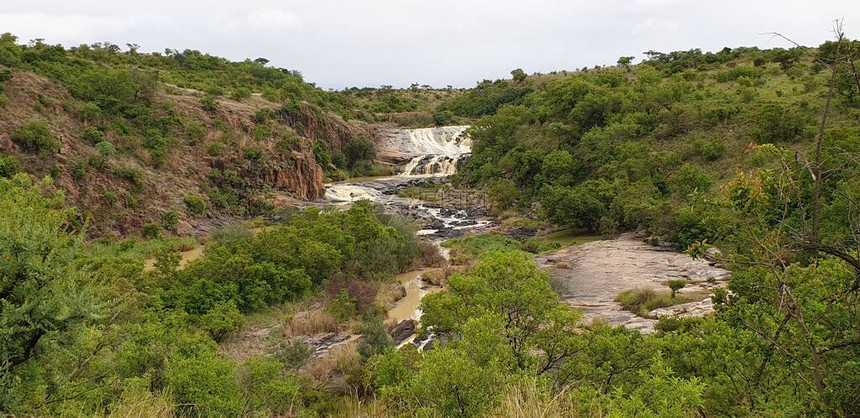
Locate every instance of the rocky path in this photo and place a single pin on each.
(596, 272)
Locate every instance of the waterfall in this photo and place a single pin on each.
(431, 151)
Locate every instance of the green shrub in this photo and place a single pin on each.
(221, 320)
(110, 197)
(196, 132)
(89, 112)
(9, 165)
(131, 175)
(294, 354)
(240, 94)
(4, 100)
(79, 170)
(209, 103)
(262, 132)
(96, 161)
(642, 301)
(196, 204)
(106, 149)
(151, 230)
(204, 386)
(342, 307)
(711, 149)
(214, 149)
(94, 135)
(36, 136)
(264, 384)
(375, 339)
(170, 220)
(252, 153)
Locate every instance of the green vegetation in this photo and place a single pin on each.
(753, 150)
(36, 137)
(87, 331)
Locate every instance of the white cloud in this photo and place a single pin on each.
(273, 19)
(342, 43)
(67, 28)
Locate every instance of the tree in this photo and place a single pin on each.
(359, 150)
(519, 75)
(625, 61)
(675, 285)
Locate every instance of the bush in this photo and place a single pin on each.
(151, 230)
(36, 137)
(4, 100)
(711, 149)
(253, 153)
(196, 132)
(221, 320)
(106, 149)
(209, 103)
(294, 354)
(79, 170)
(196, 204)
(214, 149)
(375, 339)
(359, 150)
(170, 220)
(443, 117)
(94, 135)
(204, 386)
(265, 385)
(96, 161)
(642, 301)
(9, 165)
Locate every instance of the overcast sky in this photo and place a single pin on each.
(348, 43)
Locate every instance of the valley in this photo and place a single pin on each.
(183, 235)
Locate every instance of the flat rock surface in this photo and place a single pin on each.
(596, 272)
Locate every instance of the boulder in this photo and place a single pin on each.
(402, 330)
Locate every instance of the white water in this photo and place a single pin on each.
(350, 193)
(431, 151)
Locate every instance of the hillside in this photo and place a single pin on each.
(654, 146)
(137, 139)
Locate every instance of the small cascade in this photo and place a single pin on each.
(350, 193)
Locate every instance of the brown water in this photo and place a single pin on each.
(186, 257)
(416, 289)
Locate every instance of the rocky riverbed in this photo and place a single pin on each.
(595, 273)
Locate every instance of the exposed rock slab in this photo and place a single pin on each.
(600, 270)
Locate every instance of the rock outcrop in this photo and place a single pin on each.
(596, 272)
(304, 178)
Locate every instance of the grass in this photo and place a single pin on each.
(310, 322)
(470, 247)
(568, 237)
(642, 301)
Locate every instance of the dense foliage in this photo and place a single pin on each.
(87, 330)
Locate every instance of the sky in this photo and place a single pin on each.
(339, 44)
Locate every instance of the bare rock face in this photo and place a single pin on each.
(303, 179)
(402, 330)
(598, 271)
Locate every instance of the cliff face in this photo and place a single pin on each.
(232, 156)
(304, 178)
(316, 124)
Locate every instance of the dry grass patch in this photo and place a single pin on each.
(310, 322)
(341, 361)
